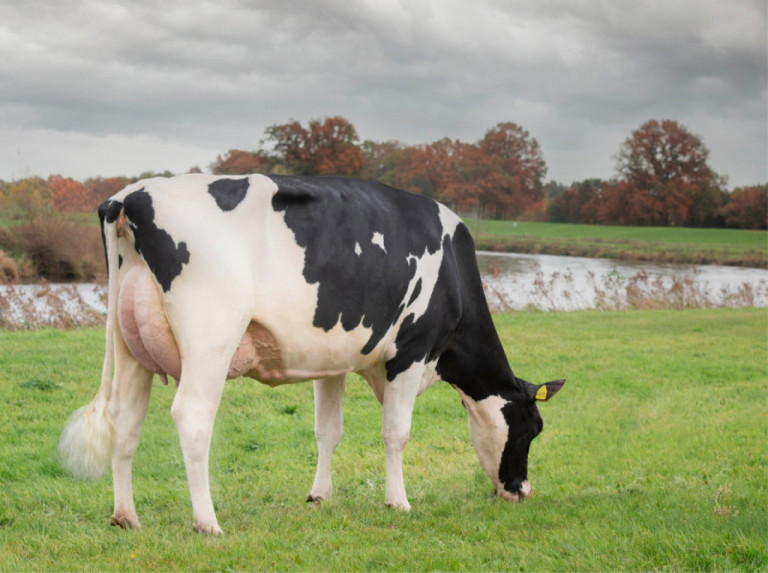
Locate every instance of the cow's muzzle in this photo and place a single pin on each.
(521, 494)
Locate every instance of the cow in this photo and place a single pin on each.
(286, 279)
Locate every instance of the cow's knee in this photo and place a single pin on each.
(396, 439)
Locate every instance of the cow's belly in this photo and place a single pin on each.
(311, 352)
(306, 352)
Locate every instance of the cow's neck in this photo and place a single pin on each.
(475, 362)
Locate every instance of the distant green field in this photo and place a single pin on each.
(653, 457)
(670, 244)
(87, 219)
(660, 235)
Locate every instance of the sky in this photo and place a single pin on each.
(105, 88)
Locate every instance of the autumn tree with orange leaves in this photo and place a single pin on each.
(102, 188)
(747, 208)
(324, 147)
(70, 196)
(237, 162)
(663, 168)
(499, 176)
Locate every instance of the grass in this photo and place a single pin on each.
(662, 244)
(653, 457)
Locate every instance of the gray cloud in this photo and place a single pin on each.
(173, 84)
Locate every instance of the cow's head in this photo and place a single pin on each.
(502, 427)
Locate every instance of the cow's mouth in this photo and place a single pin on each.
(523, 492)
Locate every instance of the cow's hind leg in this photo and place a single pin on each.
(128, 404)
(329, 423)
(207, 341)
(194, 410)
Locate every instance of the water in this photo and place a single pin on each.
(548, 282)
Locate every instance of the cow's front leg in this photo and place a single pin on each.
(194, 410)
(329, 425)
(128, 404)
(399, 398)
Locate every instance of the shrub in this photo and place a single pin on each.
(9, 271)
(747, 208)
(56, 248)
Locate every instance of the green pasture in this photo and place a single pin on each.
(663, 244)
(653, 457)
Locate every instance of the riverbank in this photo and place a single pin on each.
(512, 282)
(728, 247)
(515, 281)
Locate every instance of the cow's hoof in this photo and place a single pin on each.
(213, 530)
(401, 506)
(124, 522)
(314, 499)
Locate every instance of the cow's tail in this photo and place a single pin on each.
(85, 445)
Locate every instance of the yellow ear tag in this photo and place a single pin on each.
(541, 393)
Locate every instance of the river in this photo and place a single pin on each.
(512, 281)
(548, 282)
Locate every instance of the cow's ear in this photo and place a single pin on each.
(545, 391)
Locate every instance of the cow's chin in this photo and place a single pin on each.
(522, 494)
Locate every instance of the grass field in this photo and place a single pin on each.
(663, 244)
(653, 457)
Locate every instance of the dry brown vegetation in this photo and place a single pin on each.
(612, 291)
(9, 271)
(52, 248)
(44, 305)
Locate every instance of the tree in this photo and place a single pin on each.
(554, 189)
(382, 160)
(431, 169)
(27, 198)
(325, 147)
(612, 204)
(747, 208)
(567, 206)
(618, 202)
(237, 162)
(517, 163)
(666, 168)
(102, 189)
(70, 196)
(500, 176)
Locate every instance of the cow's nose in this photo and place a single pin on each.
(523, 492)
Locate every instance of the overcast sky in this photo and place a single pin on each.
(99, 87)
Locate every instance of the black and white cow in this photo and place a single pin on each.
(285, 279)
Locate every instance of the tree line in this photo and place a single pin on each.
(662, 176)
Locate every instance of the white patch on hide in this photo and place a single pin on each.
(358, 250)
(488, 431)
(378, 240)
